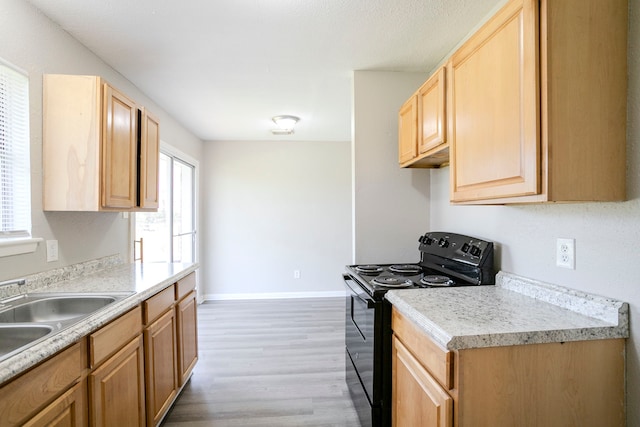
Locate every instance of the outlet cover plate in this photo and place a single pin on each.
(566, 253)
(52, 250)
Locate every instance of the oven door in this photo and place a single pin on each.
(359, 341)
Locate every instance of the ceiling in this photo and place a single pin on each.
(223, 68)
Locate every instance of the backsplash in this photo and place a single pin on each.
(44, 279)
(587, 304)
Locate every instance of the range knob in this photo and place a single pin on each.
(426, 240)
(443, 243)
(475, 251)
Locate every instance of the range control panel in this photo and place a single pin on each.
(466, 249)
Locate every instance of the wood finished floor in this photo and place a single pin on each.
(268, 363)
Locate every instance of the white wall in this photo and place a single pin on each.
(272, 208)
(390, 205)
(33, 43)
(607, 234)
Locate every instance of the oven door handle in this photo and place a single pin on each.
(358, 294)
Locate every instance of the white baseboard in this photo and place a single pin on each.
(274, 295)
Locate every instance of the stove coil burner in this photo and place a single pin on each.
(392, 282)
(405, 268)
(369, 269)
(435, 280)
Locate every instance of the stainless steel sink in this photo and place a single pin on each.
(28, 319)
(14, 337)
(55, 308)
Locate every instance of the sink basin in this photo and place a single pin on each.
(28, 319)
(55, 308)
(15, 337)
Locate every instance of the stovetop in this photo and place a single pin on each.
(383, 278)
(446, 260)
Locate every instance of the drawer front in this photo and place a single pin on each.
(158, 304)
(114, 336)
(185, 285)
(29, 393)
(437, 360)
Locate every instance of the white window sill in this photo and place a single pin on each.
(9, 247)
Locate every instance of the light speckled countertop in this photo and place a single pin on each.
(143, 280)
(515, 311)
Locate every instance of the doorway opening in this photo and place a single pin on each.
(169, 235)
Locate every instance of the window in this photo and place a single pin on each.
(183, 224)
(15, 184)
(15, 180)
(169, 235)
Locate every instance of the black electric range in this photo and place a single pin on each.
(446, 260)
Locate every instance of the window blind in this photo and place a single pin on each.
(15, 183)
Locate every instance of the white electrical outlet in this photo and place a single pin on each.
(52, 250)
(296, 274)
(566, 253)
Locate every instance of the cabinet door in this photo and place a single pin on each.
(71, 134)
(161, 366)
(495, 123)
(69, 410)
(417, 398)
(431, 112)
(119, 145)
(187, 336)
(408, 132)
(149, 158)
(116, 388)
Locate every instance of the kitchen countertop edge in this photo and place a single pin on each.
(32, 356)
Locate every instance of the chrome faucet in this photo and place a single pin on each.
(18, 282)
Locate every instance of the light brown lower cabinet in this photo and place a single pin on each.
(52, 393)
(127, 373)
(117, 388)
(161, 363)
(418, 398)
(558, 384)
(116, 380)
(187, 336)
(171, 345)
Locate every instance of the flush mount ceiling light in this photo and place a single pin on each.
(285, 124)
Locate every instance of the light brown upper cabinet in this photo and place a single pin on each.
(100, 148)
(422, 125)
(538, 104)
